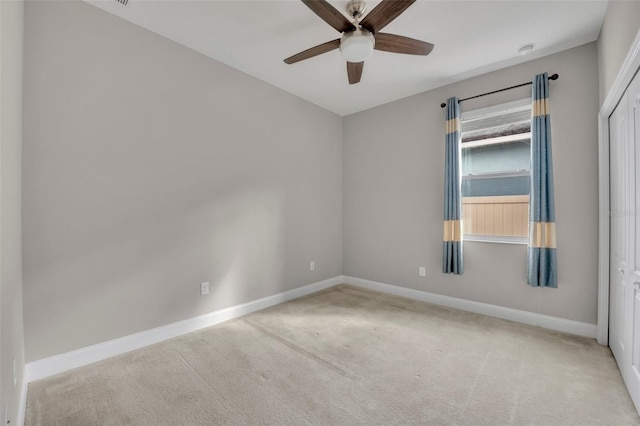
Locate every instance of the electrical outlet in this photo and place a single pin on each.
(204, 288)
(422, 271)
(15, 372)
(312, 266)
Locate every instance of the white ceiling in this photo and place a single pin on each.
(470, 37)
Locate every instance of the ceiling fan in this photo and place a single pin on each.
(360, 37)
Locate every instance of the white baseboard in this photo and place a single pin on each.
(22, 404)
(47, 367)
(530, 318)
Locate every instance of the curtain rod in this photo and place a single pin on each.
(553, 77)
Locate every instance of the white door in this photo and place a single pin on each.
(618, 139)
(633, 307)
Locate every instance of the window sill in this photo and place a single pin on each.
(496, 239)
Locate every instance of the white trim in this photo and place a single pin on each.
(603, 229)
(493, 110)
(495, 141)
(47, 367)
(628, 69)
(499, 239)
(492, 175)
(530, 318)
(22, 404)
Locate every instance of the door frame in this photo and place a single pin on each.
(627, 71)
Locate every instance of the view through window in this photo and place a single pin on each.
(496, 169)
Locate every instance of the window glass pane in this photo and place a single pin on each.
(495, 186)
(496, 158)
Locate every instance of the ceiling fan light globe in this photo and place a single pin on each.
(356, 46)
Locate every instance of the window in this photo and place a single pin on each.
(496, 169)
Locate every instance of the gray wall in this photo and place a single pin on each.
(621, 24)
(393, 158)
(149, 168)
(11, 333)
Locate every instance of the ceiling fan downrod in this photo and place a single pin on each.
(356, 8)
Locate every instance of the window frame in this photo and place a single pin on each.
(477, 114)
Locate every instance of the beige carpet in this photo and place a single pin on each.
(347, 356)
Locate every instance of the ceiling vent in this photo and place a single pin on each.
(123, 2)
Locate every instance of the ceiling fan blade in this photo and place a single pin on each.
(329, 14)
(400, 44)
(314, 51)
(354, 71)
(385, 12)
